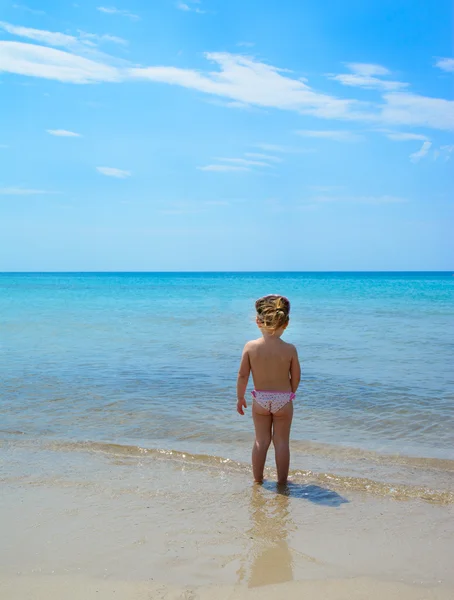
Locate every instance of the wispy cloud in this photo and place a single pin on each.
(62, 40)
(245, 44)
(245, 162)
(111, 10)
(266, 157)
(368, 76)
(338, 136)
(417, 156)
(368, 69)
(245, 80)
(414, 110)
(230, 104)
(63, 133)
(238, 79)
(446, 64)
(113, 172)
(24, 8)
(223, 168)
(49, 63)
(397, 136)
(20, 191)
(189, 7)
(96, 39)
(273, 148)
(47, 37)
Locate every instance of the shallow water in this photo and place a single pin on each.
(150, 361)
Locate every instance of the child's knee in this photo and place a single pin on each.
(263, 443)
(281, 445)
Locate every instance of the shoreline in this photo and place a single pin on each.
(388, 476)
(106, 525)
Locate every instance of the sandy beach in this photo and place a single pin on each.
(109, 526)
(351, 589)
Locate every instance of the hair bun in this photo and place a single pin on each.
(272, 312)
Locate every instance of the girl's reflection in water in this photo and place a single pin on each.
(271, 558)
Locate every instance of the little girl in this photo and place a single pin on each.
(276, 374)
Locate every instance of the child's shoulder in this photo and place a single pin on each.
(253, 343)
(291, 348)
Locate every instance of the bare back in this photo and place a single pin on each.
(271, 360)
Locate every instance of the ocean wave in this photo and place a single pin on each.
(338, 482)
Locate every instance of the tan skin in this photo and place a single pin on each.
(275, 367)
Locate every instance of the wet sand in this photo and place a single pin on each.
(89, 589)
(113, 527)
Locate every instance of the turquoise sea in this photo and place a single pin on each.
(147, 362)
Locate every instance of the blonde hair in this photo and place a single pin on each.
(272, 312)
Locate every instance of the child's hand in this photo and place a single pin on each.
(240, 405)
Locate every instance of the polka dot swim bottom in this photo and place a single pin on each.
(272, 401)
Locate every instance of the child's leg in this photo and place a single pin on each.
(282, 421)
(262, 423)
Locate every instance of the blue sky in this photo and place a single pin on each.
(226, 135)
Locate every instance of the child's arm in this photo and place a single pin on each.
(243, 378)
(295, 371)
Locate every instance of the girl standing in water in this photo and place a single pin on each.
(276, 374)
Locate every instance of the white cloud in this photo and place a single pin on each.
(112, 172)
(246, 44)
(19, 191)
(416, 156)
(94, 38)
(412, 109)
(239, 79)
(371, 83)
(230, 104)
(48, 63)
(398, 136)
(447, 64)
(111, 10)
(63, 133)
(367, 69)
(39, 35)
(33, 11)
(187, 8)
(266, 157)
(245, 162)
(338, 136)
(223, 168)
(81, 42)
(245, 80)
(366, 76)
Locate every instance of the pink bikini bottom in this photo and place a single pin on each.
(272, 401)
